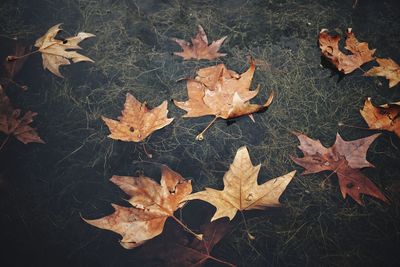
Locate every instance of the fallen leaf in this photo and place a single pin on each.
(241, 190)
(59, 52)
(385, 117)
(222, 93)
(388, 69)
(152, 205)
(137, 121)
(10, 69)
(360, 53)
(177, 248)
(345, 158)
(199, 49)
(12, 124)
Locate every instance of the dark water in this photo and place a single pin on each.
(44, 189)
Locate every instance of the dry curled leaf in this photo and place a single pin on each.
(385, 117)
(199, 49)
(360, 53)
(345, 158)
(388, 68)
(152, 204)
(241, 190)
(223, 93)
(137, 121)
(11, 122)
(60, 52)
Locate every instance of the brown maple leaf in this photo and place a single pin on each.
(360, 53)
(152, 204)
(12, 124)
(176, 248)
(10, 69)
(388, 68)
(137, 121)
(345, 158)
(241, 190)
(199, 49)
(222, 93)
(385, 117)
(60, 52)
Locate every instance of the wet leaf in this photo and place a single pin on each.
(199, 48)
(10, 69)
(388, 69)
(360, 53)
(12, 123)
(60, 52)
(137, 121)
(177, 248)
(223, 93)
(385, 117)
(345, 158)
(241, 190)
(152, 204)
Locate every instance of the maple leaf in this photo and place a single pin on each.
(12, 124)
(345, 158)
(388, 68)
(329, 45)
(199, 49)
(241, 190)
(152, 204)
(10, 69)
(176, 248)
(59, 52)
(137, 121)
(226, 97)
(385, 117)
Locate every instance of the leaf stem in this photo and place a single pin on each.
(200, 136)
(221, 261)
(149, 155)
(11, 58)
(198, 236)
(4, 142)
(249, 235)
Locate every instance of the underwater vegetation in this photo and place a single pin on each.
(274, 77)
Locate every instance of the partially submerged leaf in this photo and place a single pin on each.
(12, 124)
(385, 117)
(199, 48)
(60, 52)
(152, 204)
(388, 68)
(137, 121)
(177, 248)
(241, 190)
(10, 69)
(345, 158)
(360, 53)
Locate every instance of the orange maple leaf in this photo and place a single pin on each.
(329, 45)
(12, 124)
(137, 121)
(199, 49)
(388, 68)
(152, 205)
(385, 117)
(220, 92)
(345, 158)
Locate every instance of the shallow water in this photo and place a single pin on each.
(44, 189)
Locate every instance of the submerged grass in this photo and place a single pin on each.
(132, 50)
